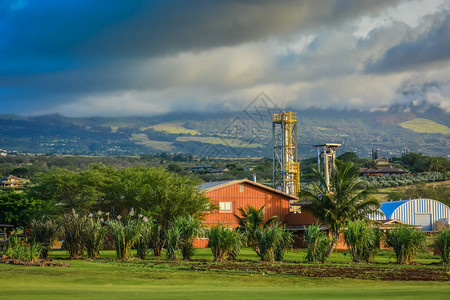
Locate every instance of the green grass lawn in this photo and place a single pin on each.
(106, 278)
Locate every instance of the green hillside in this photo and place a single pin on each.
(425, 126)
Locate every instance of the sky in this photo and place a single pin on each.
(125, 58)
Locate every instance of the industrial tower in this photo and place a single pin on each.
(326, 153)
(286, 169)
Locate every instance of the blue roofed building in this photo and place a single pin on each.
(418, 212)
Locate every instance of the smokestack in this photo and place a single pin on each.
(254, 177)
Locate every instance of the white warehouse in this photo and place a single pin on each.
(418, 212)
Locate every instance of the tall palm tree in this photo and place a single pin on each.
(346, 200)
(252, 219)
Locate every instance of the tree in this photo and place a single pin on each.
(159, 194)
(67, 190)
(347, 200)
(251, 220)
(19, 209)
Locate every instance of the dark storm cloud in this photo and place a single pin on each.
(58, 51)
(52, 36)
(431, 47)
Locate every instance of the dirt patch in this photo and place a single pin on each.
(39, 263)
(355, 271)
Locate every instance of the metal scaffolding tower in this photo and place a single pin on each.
(286, 169)
(326, 153)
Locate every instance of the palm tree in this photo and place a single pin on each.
(252, 219)
(346, 200)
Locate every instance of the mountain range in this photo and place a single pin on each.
(422, 128)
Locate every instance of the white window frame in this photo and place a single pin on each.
(226, 207)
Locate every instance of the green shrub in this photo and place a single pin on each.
(406, 240)
(125, 235)
(272, 240)
(44, 232)
(189, 228)
(225, 242)
(318, 244)
(443, 243)
(173, 241)
(95, 235)
(362, 240)
(17, 250)
(74, 229)
(158, 238)
(145, 239)
(284, 240)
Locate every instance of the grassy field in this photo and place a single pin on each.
(382, 193)
(142, 139)
(173, 127)
(218, 141)
(133, 279)
(425, 126)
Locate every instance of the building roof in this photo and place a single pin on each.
(10, 177)
(328, 144)
(209, 186)
(202, 166)
(389, 207)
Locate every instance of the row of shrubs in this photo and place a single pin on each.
(87, 233)
(402, 179)
(363, 241)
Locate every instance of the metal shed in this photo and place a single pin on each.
(418, 212)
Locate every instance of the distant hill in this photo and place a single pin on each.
(423, 129)
(425, 126)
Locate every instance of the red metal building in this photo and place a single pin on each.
(228, 196)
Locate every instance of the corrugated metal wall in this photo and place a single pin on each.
(276, 204)
(413, 212)
(377, 215)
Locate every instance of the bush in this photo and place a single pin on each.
(125, 236)
(284, 240)
(173, 241)
(17, 250)
(362, 240)
(189, 228)
(225, 243)
(144, 241)
(95, 235)
(44, 232)
(74, 229)
(443, 243)
(318, 244)
(272, 241)
(406, 240)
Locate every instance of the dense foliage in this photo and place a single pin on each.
(250, 220)
(443, 243)
(318, 244)
(362, 240)
(347, 199)
(18, 208)
(406, 241)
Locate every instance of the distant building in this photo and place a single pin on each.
(11, 181)
(425, 213)
(382, 161)
(229, 196)
(384, 171)
(201, 168)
